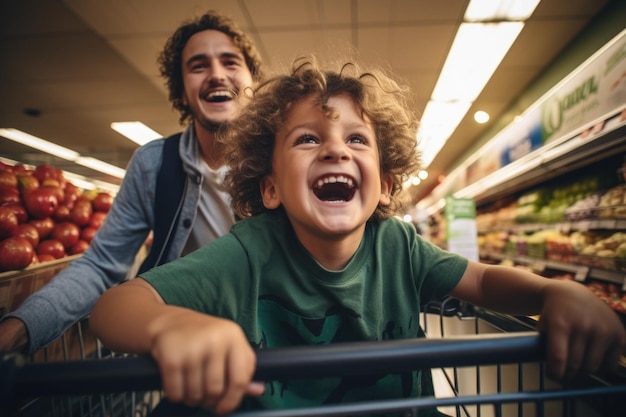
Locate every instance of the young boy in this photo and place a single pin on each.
(318, 159)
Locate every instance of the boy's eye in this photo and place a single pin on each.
(357, 139)
(306, 139)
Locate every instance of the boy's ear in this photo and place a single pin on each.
(271, 200)
(386, 185)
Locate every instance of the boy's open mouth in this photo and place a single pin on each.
(334, 188)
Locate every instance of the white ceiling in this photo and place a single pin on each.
(82, 64)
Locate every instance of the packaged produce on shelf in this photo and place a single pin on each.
(584, 209)
(44, 217)
(612, 204)
(559, 248)
(607, 292)
(607, 253)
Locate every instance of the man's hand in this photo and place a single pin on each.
(13, 335)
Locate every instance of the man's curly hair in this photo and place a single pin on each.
(170, 58)
(251, 137)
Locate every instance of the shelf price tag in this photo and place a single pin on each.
(607, 224)
(581, 273)
(584, 225)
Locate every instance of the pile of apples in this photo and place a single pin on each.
(43, 217)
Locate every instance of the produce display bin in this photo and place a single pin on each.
(16, 286)
(77, 344)
(73, 386)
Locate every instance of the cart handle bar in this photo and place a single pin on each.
(140, 373)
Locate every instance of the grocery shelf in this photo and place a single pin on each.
(564, 226)
(582, 272)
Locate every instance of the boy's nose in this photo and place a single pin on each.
(334, 150)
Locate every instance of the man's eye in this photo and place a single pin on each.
(198, 67)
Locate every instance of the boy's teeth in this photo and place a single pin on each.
(333, 179)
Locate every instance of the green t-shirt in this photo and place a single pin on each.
(260, 276)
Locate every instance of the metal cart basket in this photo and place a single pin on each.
(127, 386)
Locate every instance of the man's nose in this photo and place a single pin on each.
(217, 72)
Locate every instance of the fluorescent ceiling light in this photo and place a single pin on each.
(440, 119)
(476, 52)
(101, 166)
(136, 131)
(486, 10)
(39, 144)
(61, 152)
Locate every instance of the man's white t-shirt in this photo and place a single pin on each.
(215, 216)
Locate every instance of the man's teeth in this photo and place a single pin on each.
(333, 179)
(219, 94)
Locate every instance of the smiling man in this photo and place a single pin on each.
(172, 186)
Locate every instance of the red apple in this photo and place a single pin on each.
(21, 169)
(81, 212)
(26, 182)
(44, 226)
(97, 218)
(51, 247)
(45, 257)
(88, 233)
(9, 195)
(102, 202)
(79, 247)
(45, 171)
(67, 233)
(71, 194)
(19, 210)
(8, 222)
(8, 180)
(29, 232)
(58, 191)
(41, 203)
(15, 253)
(62, 214)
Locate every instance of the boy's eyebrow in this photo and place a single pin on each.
(313, 125)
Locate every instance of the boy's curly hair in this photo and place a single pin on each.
(170, 58)
(249, 141)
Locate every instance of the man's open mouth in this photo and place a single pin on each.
(334, 188)
(219, 96)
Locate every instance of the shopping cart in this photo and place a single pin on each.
(137, 378)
